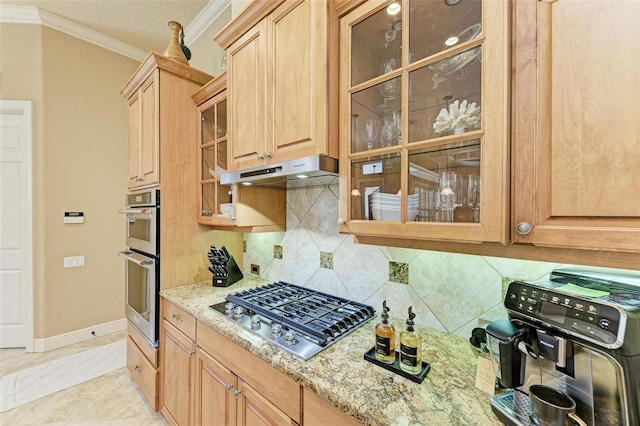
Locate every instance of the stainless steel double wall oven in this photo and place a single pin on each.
(142, 271)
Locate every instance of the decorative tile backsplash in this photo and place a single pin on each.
(448, 291)
(399, 272)
(277, 252)
(326, 260)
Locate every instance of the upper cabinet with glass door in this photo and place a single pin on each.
(216, 206)
(423, 93)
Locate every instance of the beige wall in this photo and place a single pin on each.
(206, 55)
(79, 164)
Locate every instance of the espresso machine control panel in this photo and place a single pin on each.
(598, 322)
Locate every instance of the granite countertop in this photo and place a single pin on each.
(340, 375)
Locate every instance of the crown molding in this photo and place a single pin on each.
(205, 18)
(32, 15)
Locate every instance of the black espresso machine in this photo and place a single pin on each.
(577, 332)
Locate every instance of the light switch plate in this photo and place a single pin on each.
(73, 261)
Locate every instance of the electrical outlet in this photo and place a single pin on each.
(73, 261)
(255, 269)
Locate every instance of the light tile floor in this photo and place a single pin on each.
(111, 399)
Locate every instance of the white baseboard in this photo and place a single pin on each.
(77, 336)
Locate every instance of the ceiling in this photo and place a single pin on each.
(138, 23)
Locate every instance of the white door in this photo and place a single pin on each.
(16, 247)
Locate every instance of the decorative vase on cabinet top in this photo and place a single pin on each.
(173, 50)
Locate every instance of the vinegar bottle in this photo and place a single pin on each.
(410, 348)
(385, 338)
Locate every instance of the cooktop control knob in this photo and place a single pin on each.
(276, 330)
(290, 337)
(255, 322)
(238, 312)
(228, 308)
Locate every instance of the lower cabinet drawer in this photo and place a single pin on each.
(143, 373)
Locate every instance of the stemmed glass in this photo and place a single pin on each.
(397, 124)
(448, 186)
(389, 89)
(387, 132)
(473, 196)
(371, 129)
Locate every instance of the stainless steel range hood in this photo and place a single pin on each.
(316, 170)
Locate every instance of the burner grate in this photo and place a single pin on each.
(317, 315)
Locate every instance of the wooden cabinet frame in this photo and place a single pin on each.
(554, 202)
(493, 226)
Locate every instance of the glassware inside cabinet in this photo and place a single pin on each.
(375, 120)
(435, 26)
(446, 181)
(453, 107)
(376, 46)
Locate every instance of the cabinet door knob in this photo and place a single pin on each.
(523, 228)
(137, 369)
(267, 154)
(260, 156)
(176, 318)
(237, 392)
(341, 221)
(228, 387)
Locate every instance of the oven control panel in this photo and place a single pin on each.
(594, 321)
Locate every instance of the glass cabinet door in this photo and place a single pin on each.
(417, 137)
(216, 199)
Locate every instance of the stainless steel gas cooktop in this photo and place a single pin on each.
(300, 320)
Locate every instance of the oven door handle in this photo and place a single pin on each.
(136, 258)
(144, 210)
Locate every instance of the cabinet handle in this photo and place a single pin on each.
(236, 393)
(260, 156)
(341, 221)
(267, 154)
(190, 353)
(228, 387)
(137, 369)
(176, 318)
(523, 228)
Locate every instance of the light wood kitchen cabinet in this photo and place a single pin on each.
(142, 363)
(143, 135)
(261, 394)
(143, 373)
(215, 385)
(229, 401)
(255, 410)
(424, 121)
(318, 412)
(231, 207)
(157, 81)
(281, 86)
(178, 362)
(576, 133)
(207, 379)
